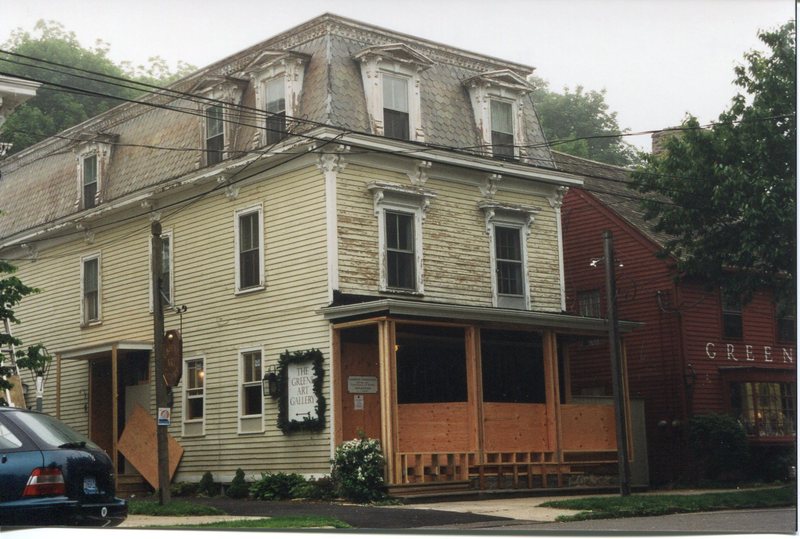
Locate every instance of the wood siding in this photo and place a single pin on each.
(218, 322)
(455, 243)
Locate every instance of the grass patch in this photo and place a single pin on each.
(176, 508)
(275, 523)
(665, 504)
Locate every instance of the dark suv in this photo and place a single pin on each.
(51, 475)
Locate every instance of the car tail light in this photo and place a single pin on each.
(45, 482)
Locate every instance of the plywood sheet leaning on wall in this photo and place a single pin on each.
(138, 444)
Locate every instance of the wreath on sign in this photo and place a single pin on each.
(287, 358)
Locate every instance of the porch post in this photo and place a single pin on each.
(336, 380)
(552, 396)
(114, 409)
(386, 338)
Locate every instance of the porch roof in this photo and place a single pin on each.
(78, 352)
(389, 306)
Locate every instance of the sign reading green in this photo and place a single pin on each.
(302, 405)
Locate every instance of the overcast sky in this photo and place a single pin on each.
(657, 59)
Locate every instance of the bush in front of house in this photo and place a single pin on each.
(276, 486)
(207, 487)
(183, 489)
(357, 470)
(238, 487)
(719, 446)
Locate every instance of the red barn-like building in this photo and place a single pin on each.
(700, 350)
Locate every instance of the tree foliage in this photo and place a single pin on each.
(732, 186)
(583, 122)
(54, 109)
(12, 291)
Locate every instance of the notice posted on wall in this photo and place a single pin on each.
(358, 402)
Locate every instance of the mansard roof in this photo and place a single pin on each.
(38, 185)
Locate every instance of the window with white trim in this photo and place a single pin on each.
(395, 107)
(215, 134)
(509, 226)
(250, 392)
(194, 393)
(497, 103)
(90, 290)
(275, 93)
(90, 181)
(391, 78)
(502, 129)
(249, 226)
(401, 212)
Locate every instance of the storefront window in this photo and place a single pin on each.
(765, 409)
(431, 364)
(512, 366)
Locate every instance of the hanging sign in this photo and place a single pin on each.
(301, 400)
(173, 357)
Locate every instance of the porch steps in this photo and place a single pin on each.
(131, 485)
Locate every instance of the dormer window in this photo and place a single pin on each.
(275, 92)
(391, 77)
(395, 107)
(502, 129)
(89, 193)
(219, 94)
(93, 156)
(215, 134)
(497, 103)
(278, 80)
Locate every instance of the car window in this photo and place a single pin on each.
(52, 432)
(7, 439)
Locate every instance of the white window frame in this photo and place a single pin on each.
(268, 66)
(190, 424)
(509, 216)
(85, 322)
(81, 172)
(165, 234)
(501, 85)
(206, 151)
(414, 201)
(399, 61)
(245, 419)
(258, 208)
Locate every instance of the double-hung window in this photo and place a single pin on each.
(400, 250)
(395, 107)
(502, 129)
(194, 396)
(215, 134)
(89, 193)
(785, 320)
(731, 315)
(275, 92)
(508, 227)
(90, 289)
(251, 401)
(509, 264)
(249, 225)
(401, 211)
(589, 303)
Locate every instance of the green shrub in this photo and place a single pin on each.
(773, 463)
(183, 489)
(315, 489)
(238, 487)
(207, 487)
(358, 470)
(276, 486)
(719, 446)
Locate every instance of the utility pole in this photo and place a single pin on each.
(617, 377)
(156, 267)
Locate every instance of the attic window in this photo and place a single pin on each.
(497, 103)
(93, 156)
(277, 77)
(220, 94)
(391, 78)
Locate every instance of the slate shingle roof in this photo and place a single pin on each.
(39, 184)
(611, 185)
